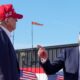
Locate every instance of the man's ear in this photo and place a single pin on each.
(0, 22)
(6, 20)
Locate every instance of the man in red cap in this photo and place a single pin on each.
(9, 68)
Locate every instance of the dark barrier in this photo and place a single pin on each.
(28, 57)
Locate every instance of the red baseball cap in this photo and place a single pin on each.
(7, 11)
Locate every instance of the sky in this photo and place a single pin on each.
(60, 19)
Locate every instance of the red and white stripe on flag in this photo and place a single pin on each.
(59, 77)
(26, 75)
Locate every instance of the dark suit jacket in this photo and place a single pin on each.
(68, 61)
(9, 68)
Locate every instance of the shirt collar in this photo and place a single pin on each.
(7, 32)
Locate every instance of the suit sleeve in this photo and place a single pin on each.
(52, 68)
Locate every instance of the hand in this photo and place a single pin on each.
(42, 53)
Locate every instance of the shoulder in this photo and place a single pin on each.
(2, 35)
(1, 29)
(1, 32)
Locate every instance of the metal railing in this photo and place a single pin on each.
(28, 57)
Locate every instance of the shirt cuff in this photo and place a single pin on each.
(43, 60)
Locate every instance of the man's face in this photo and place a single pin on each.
(11, 24)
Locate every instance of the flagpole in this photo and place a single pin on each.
(32, 38)
(79, 55)
(31, 43)
(32, 35)
(34, 23)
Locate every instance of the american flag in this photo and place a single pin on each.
(26, 75)
(36, 23)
